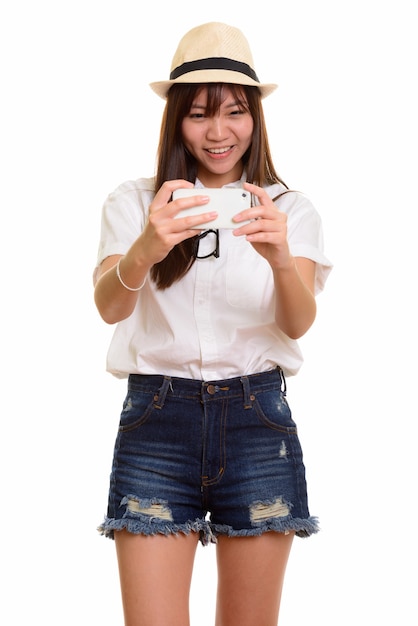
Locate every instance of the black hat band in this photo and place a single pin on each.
(214, 63)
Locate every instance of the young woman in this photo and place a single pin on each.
(207, 323)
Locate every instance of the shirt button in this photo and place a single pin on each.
(211, 389)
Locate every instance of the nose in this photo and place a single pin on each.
(217, 128)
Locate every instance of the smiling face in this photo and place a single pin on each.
(218, 140)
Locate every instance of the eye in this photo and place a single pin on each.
(237, 112)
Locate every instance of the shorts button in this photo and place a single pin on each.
(211, 389)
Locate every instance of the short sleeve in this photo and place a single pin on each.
(305, 234)
(123, 217)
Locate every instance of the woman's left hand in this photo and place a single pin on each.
(293, 277)
(267, 231)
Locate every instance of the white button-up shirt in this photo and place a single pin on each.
(218, 321)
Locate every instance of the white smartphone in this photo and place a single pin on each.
(227, 202)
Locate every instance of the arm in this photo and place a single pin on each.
(161, 233)
(295, 300)
(294, 278)
(113, 301)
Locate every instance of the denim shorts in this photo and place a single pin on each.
(217, 458)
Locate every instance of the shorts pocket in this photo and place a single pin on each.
(137, 408)
(273, 410)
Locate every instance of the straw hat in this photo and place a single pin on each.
(213, 53)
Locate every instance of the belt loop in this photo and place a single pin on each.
(284, 384)
(160, 397)
(247, 392)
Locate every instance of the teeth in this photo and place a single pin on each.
(218, 150)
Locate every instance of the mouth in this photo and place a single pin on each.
(217, 151)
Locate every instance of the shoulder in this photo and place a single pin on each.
(295, 203)
(132, 189)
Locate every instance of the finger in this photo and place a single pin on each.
(269, 221)
(260, 193)
(260, 213)
(190, 212)
(163, 195)
(198, 221)
(167, 220)
(263, 198)
(189, 205)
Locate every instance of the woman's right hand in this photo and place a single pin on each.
(161, 233)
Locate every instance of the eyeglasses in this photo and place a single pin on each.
(215, 251)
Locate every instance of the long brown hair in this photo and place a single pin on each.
(174, 161)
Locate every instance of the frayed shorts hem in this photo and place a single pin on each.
(301, 528)
(137, 527)
(207, 531)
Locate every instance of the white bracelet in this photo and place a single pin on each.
(121, 281)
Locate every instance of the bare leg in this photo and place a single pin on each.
(250, 578)
(155, 575)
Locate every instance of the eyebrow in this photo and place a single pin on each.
(228, 106)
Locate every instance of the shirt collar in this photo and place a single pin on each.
(237, 183)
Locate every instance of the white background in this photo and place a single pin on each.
(77, 119)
